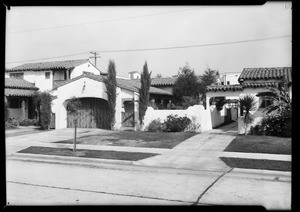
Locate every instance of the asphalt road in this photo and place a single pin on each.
(41, 183)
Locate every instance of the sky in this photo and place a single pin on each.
(223, 38)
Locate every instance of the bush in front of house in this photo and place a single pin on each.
(28, 122)
(193, 126)
(155, 126)
(42, 101)
(174, 123)
(11, 123)
(276, 124)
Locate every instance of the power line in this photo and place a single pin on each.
(193, 46)
(163, 48)
(97, 22)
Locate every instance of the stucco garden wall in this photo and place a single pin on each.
(202, 116)
(217, 116)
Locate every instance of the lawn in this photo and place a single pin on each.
(115, 155)
(257, 164)
(260, 144)
(134, 139)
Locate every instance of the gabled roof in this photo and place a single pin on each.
(19, 83)
(122, 83)
(19, 87)
(266, 74)
(66, 64)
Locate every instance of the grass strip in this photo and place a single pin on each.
(102, 154)
(244, 163)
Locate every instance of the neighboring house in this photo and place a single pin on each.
(91, 91)
(253, 81)
(18, 96)
(229, 78)
(134, 75)
(48, 75)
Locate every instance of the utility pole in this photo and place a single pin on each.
(95, 57)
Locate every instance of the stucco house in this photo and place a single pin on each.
(91, 90)
(254, 81)
(18, 97)
(48, 75)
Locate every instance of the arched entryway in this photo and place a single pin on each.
(92, 114)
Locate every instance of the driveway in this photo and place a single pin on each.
(200, 152)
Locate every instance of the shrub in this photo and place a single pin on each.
(193, 126)
(155, 126)
(176, 124)
(42, 101)
(11, 123)
(276, 124)
(28, 122)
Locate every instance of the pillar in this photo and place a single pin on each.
(23, 116)
(118, 110)
(207, 102)
(136, 111)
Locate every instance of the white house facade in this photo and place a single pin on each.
(48, 75)
(253, 81)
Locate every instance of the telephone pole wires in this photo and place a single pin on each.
(95, 57)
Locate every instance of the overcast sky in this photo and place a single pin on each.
(34, 33)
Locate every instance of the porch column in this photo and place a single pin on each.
(118, 114)
(23, 110)
(207, 102)
(136, 111)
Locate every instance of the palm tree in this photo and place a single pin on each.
(247, 103)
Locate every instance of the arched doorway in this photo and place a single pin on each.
(92, 114)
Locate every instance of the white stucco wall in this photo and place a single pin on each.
(83, 87)
(87, 67)
(217, 116)
(38, 77)
(202, 116)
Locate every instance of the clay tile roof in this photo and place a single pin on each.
(266, 74)
(224, 88)
(18, 92)
(48, 65)
(19, 87)
(122, 83)
(19, 83)
(163, 81)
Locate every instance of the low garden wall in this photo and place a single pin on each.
(202, 117)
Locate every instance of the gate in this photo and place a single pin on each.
(92, 114)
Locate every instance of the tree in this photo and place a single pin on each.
(144, 92)
(186, 85)
(42, 102)
(247, 103)
(73, 108)
(208, 78)
(111, 90)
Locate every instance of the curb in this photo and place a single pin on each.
(67, 159)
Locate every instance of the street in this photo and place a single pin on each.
(44, 183)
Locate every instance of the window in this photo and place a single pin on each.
(17, 75)
(228, 82)
(47, 75)
(14, 103)
(265, 103)
(222, 83)
(59, 75)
